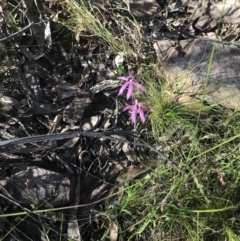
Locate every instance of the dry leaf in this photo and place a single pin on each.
(74, 111)
(34, 185)
(129, 152)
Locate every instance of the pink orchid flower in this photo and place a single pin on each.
(137, 108)
(129, 84)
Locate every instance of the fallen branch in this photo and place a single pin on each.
(74, 134)
(19, 32)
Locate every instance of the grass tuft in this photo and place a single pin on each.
(121, 33)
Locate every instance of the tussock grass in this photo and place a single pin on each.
(121, 33)
(160, 96)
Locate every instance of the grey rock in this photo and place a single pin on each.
(187, 63)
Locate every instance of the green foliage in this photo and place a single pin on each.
(121, 70)
(193, 201)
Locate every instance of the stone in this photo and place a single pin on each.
(186, 65)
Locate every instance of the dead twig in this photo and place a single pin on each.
(69, 135)
(66, 135)
(19, 32)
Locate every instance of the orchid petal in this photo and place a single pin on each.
(128, 107)
(134, 114)
(130, 90)
(123, 78)
(141, 113)
(126, 78)
(139, 86)
(131, 77)
(124, 86)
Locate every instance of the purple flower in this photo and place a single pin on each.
(129, 84)
(137, 109)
